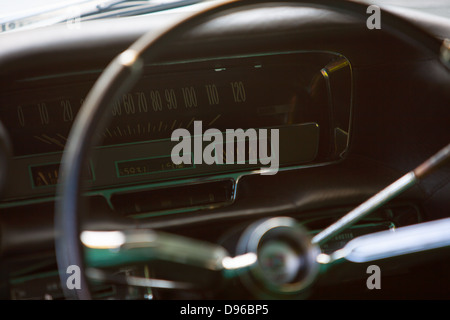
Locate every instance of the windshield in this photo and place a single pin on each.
(435, 7)
(25, 7)
(26, 14)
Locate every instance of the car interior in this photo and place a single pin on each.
(347, 171)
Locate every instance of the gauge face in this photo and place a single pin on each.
(305, 95)
(252, 92)
(222, 98)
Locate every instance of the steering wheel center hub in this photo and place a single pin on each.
(286, 258)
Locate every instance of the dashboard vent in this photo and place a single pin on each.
(185, 197)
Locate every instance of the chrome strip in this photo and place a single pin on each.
(366, 207)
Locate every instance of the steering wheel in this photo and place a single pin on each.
(122, 73)
(5, 155)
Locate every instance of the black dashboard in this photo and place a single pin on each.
(355, 109)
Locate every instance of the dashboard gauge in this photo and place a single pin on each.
(305, 95)
(48, 174)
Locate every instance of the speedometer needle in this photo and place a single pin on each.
(214, 120)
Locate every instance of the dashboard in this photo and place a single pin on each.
(354, 108)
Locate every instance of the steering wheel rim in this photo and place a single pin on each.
(119, 76)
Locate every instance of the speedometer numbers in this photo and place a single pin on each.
(144, 114)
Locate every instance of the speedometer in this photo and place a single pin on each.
(306, 95)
